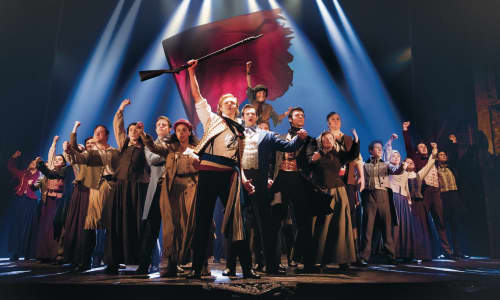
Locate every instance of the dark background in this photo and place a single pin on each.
(45, 44)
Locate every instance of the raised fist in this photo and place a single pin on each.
(16, 154)
(249, 66)
(406, 125)
(124, 103)
(193, 63)
(453, 138)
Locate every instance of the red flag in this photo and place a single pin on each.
(226, 73)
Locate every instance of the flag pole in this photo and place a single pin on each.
(145, 75)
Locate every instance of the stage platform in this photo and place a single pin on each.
(476, 278)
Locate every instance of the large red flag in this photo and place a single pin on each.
(226, 73)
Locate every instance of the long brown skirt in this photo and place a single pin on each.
(96, 206)
(333, 234)
(177, 215)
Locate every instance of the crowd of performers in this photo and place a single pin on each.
(314, 199)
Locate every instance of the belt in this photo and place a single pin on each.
(107, 177)
(186, 174)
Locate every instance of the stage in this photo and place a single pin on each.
(477, 278)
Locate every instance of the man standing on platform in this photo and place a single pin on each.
(260, 146)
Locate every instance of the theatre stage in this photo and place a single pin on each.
(477, 278)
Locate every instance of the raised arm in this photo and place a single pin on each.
(118, 124)
(353, 153)
(249, 76)
(430, 162)
(52, 152)
(11, 165)
(72, 137)
(195, 88)
(388, 148)
(278, 118)
(203, 109)
(452, 150)
(410, 151)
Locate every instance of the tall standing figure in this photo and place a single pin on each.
(123, 210)
(151, 217)
(178, 191)
(98, 167)
(220, 152)
(290, 171)
(334, 234)
(22, 234)
(53, 195)
(377, 202)
(430, 188)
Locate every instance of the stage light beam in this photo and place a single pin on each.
(205, 14)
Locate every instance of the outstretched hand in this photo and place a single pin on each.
(56, 138)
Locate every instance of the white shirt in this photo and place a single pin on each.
(251, 154)
(226, 143)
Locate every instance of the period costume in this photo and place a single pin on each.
(260, 148)
(289, 174)
(333, 232)
(265, 111)
(22, 233)
(378, 207)
(431, 192)
(97, 168)
(220, 151)
(55, 192)
(123, 208)
(177, 197)
(151, 215)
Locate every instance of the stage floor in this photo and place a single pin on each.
(476, 278)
